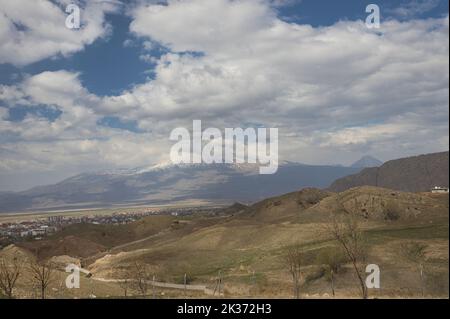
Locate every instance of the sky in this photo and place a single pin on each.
(107, 95)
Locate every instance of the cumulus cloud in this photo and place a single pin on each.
(255, 67)
(34, 30)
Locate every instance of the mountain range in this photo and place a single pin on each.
(164, 184)
(224, 183)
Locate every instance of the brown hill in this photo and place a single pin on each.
(113, 235)
(84, 240)
(12, 251)
(69, 245)
(284, 207)
(380, 204)
(233, 209)
(411, 174)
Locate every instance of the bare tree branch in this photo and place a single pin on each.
(416, 252)
(9, 273)
(347, 233)
(42, 275)
(141, 277)
(332, 258)
(293, 258)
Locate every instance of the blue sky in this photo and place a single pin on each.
(102, 64)
(130, 75)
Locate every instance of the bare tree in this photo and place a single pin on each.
(219, 284)
(333, 259)
(42, 275)
(347, 233)
(415, 252)
(9, 273)
(125, 282)
(293, 258)
(140, 276)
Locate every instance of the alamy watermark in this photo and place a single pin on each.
(73, 280)
(236, 145)
(373, 277)
(73, 20)
(373, 19)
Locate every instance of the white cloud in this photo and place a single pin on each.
(253, 62)
(414, 8)
(34, 30)
(212, 25)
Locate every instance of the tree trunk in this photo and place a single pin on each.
(295, 286)
(332, 283)
(421, 281)
(361, 281)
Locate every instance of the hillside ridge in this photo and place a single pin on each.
(411, 174)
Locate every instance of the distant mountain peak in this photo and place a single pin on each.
(367, 161)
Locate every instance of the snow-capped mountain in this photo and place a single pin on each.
(169, 183)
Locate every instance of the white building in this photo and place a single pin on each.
(438, 189)
(38, 232)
